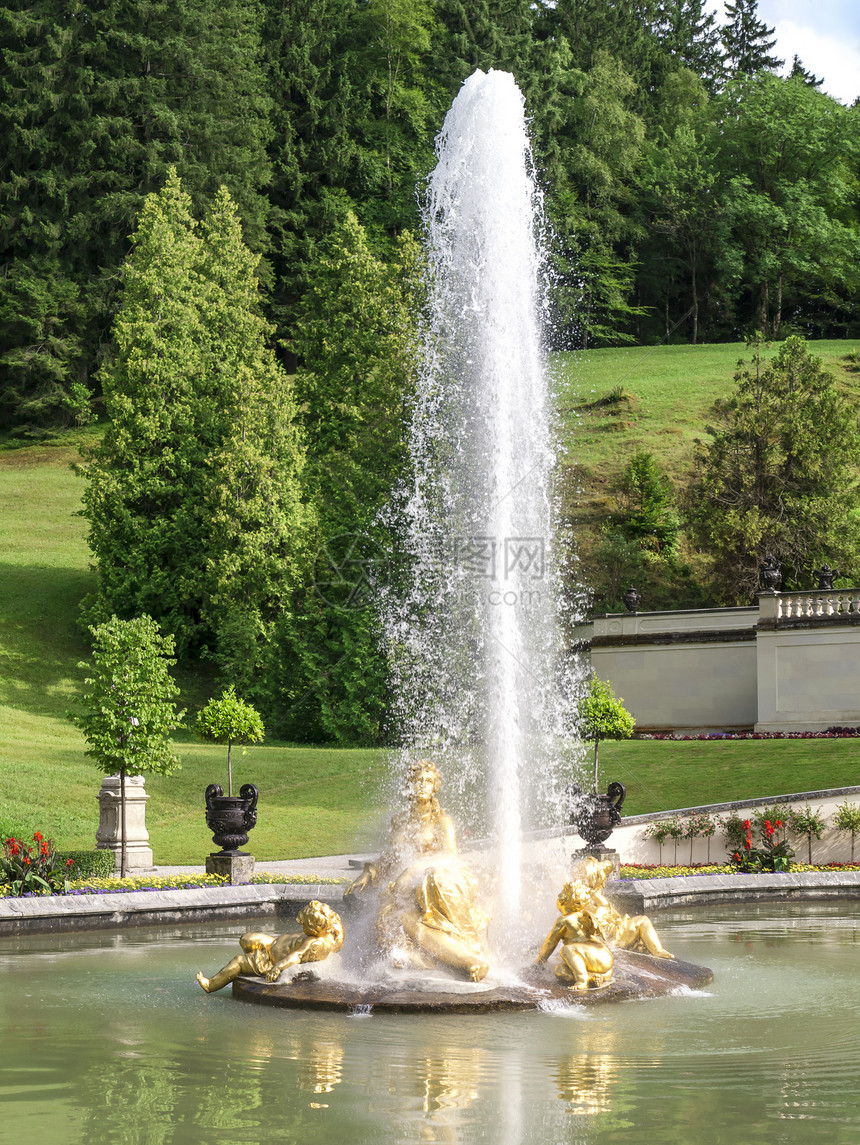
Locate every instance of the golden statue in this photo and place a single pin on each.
(428, 912)
(619, 929)
(268, 955)
(585, 959)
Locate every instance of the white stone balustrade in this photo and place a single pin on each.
(817, 603)
(791, 662)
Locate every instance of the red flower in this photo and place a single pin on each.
(27, 860)
(778, 823)
(736, 857)
(44, 848)
(37, 835)
(15, 848)
(69, 862)
(747, 825)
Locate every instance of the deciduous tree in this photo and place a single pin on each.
(229, 720)
(602, 715)
(129, 704)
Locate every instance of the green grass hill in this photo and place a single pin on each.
(656, 399)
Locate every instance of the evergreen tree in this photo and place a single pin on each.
(646, 505)
(192, 497)
(357, 105)
(778, 474)
(398, 115)
(96, 101)
(312, 148)
(747, 40)
(357, 334)
(628, 32)
(691, 35)
(251, 494)
(484, 34)
(798, 71)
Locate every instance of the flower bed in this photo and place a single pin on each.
(179, 882)
(830, 733)
(659, 871)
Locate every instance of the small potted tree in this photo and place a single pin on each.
(230, 817)
(128, 706)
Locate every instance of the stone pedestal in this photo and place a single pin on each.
(109, 837)
(237, 868)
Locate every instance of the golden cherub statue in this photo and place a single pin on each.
(630, 933)
(268, 955)
(585, 959)
(428, 912)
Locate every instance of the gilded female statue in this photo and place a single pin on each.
(428, 911)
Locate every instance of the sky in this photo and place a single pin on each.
(824, 33)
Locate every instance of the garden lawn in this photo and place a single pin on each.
(312, 800)
(665, 775)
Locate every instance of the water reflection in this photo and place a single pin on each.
(584, 1082)
(115, 1041)
(321, 1069)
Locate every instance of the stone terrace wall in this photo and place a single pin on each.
(789, 663)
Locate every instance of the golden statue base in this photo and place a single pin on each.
(635, 976)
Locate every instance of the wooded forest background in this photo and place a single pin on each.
(692, 193)
(208, 242)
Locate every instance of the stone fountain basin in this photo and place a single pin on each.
(636, 976)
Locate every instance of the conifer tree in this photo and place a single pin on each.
(193, 496)
(798, 71)
(357, 334)
(778, 473)
(484, 34)
(691, 35)
(312, 149)
(97, 99)
(747, 40)
(252, 494)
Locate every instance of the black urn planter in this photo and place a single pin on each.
(231, 817)
(595, 817)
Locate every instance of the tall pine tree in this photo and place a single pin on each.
(748, 41)
(97, 99)
(692, 37)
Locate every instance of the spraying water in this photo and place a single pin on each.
(471, 622)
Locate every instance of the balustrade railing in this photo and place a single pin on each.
(818, 602)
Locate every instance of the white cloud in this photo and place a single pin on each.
(837, 59)
(825, 35)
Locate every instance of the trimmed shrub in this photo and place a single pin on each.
(90, 864)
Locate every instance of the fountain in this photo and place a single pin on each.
(111, 1039)
(108, 1037)
(471, 624)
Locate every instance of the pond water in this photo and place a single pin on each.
(107, 1037)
